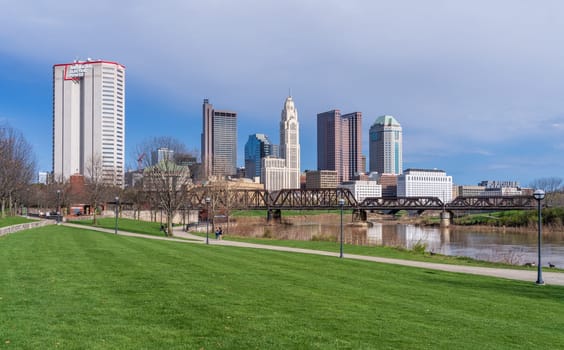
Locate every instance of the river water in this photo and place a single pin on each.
(509, 247)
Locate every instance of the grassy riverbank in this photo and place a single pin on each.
(417, 254)
(129, 225)
(13, 220)
(71, 288)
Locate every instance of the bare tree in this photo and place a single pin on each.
(547, 184)
(17, 168)
(552, 186)
(96, 188)
(168, 183)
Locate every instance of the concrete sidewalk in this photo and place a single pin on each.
(552, 278)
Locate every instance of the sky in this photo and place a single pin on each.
(477, 85)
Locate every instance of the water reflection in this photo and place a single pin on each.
(514, 248)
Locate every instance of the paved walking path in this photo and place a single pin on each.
(553, 278)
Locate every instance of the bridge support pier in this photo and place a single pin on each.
(445, 219)
(274, 215)
(359, 215)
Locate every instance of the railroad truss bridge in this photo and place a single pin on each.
(322, 199)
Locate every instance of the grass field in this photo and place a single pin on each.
(13, 220)
(129, 225)
(69, 288)
(380, 251)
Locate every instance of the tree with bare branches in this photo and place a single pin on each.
(17, 168)
(96, 188)
(168, 183)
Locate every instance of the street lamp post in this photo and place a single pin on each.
(58, 206)
(341, 204)
(539, 196)
(116, 209)
(208, 200)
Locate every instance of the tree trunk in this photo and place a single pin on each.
(169, 224)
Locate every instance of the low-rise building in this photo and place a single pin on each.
(425, 183)
(363, 189)
(322, 179)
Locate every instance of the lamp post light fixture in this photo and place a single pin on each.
(208, 200)
(341, 204)
(117, 205)
(539, 196)
(58, 206)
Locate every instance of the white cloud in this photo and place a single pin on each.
(459, 76)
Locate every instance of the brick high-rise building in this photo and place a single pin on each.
(339, 143)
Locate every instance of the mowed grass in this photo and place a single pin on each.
(13, 220)
(379, 251)
(70, 288)
(129, 225)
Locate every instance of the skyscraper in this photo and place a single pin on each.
(386, 146)
(339, 143)
(290, 141)
(219, 141)
(257, 147)
(89, 119)
(284, 172)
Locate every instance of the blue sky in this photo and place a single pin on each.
(478, 86)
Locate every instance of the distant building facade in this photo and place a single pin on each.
(219, 142)
(89, 119)
(389, 183)
(386, 146)
(339, 143)
(425, 183)
(161, 154)
(498, 184)
(483, 191)
(363, 189)
(322, 179)
(43, 177)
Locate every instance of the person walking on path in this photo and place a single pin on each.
(217, 233)
(220, 233)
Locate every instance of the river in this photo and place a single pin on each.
(508, 247)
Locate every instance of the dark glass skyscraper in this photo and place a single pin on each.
(258, 146)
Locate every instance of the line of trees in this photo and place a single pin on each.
(554, 188)
(17, 169)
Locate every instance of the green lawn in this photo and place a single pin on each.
(77, 289)
(13, 220)
(129, 225)
(380, 251)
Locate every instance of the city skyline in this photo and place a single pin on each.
(478, 94)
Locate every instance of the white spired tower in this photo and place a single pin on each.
(284, 172)
(290, 142)
(89, 120)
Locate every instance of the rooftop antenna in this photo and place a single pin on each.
(290, 92)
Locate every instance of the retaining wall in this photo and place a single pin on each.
(26, 226)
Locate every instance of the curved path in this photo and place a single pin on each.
(552, 278)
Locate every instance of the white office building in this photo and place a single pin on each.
(363, 189)
(425, 183)
(89, 120)
(284, 172)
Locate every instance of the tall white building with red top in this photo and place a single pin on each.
(89, 120)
